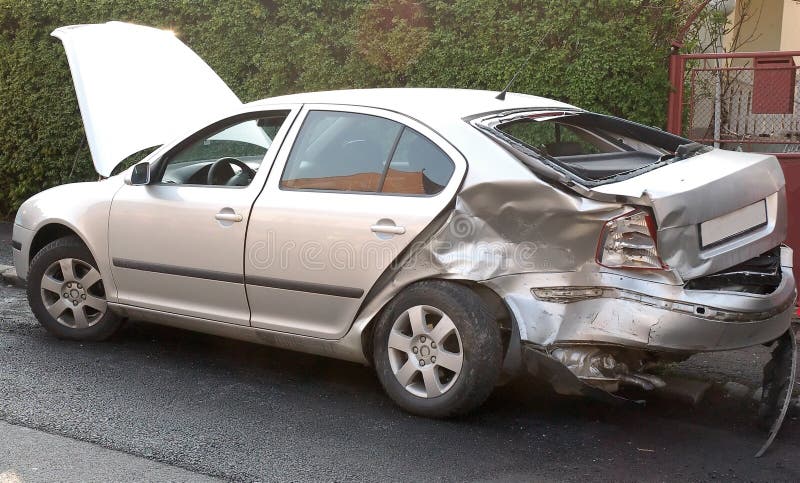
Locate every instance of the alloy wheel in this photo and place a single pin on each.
(72, 292)
(425, 351)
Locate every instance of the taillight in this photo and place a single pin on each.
(629, 241)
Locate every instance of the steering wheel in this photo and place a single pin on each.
(221, 173)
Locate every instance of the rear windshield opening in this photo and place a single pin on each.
(592, 147)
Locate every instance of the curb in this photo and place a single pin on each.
(9, 276)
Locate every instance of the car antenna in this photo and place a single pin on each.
(502, 95)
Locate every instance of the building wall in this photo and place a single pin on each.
(772, 25)
(764, 25)
(790, 31)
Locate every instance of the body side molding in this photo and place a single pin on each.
(297, 286)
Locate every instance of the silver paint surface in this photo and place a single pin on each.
(497, 224)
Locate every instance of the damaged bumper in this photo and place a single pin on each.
(608, 330)
(614, 310)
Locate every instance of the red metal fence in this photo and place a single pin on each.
(743, 101)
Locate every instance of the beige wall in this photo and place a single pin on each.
(762, 29)
(790, 31)
(773, 25)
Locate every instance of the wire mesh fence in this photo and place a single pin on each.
(744, 104)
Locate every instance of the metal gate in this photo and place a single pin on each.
(743, 101)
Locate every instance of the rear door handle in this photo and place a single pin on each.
(390, 229)
(233, 217)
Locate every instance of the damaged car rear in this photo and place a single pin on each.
(685, 253)
(686, 256)
(449, 238)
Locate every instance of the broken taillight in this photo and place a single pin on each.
(629, 241)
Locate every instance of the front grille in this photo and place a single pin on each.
(759, 275)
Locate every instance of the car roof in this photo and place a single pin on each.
(422, 103)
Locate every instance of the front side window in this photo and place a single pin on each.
(226, 156)
(342, 151)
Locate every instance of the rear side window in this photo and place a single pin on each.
(342, 151)
(418, 167)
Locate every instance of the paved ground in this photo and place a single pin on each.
(244, 412)
(28, 455)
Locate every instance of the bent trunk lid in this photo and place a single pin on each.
(138, 87)
(725, 189)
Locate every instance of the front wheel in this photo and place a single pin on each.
(66, 292)
(437, 349)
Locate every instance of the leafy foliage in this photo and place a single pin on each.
(605, 55)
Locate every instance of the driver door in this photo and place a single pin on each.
(177, 243)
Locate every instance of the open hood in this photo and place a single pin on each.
(138, 87)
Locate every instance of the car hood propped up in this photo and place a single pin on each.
(138, 87)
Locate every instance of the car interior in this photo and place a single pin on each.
(590, 152)
(337, 151)
(227, 157)
(349, 152)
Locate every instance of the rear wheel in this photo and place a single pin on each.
(437, 349)
(66, 292)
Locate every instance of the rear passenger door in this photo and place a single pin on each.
(355, 189)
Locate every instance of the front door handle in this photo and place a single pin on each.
(389, 229)
(232, 217)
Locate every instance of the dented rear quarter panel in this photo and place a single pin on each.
(510, 230)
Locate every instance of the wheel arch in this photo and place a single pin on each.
(509, 330)
(51, 231)
(497, 306)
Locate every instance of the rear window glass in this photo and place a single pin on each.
(560, 139)
(593, 148)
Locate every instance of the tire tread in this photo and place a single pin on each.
(477, 327)
(73, 247)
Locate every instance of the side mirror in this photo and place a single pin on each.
(139, 175)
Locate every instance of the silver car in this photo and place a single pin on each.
(449, 238)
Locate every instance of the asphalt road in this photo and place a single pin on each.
(244, 412)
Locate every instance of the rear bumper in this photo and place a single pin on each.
(644, 315)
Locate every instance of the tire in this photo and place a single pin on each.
(457, 323)
(70, 305)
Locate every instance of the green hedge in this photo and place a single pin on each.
(605, 55)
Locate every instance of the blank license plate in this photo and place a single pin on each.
(735, 223)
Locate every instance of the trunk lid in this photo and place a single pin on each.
(138, 87)
(713, 210)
